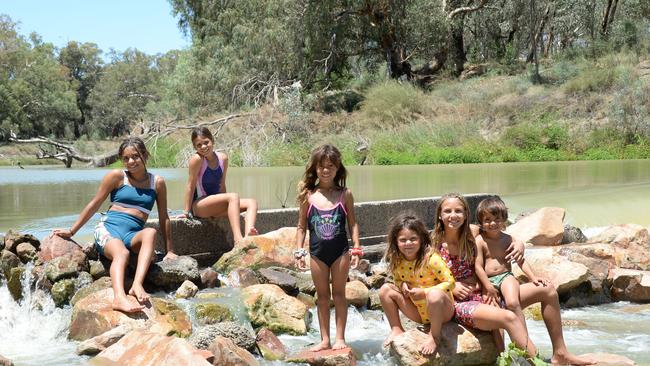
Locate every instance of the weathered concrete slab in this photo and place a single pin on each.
(207, 239)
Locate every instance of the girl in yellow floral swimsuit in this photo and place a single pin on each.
(423, 283)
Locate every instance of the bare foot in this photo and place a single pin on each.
(339, 344)
(321, 346)
(570, 359)
(391, 336)
(252, 232)
(139, 293)
(125, 304)
(429, 348)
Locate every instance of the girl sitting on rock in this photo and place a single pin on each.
(423, 283)
(326, 206)
(205, 193)
(133, 193)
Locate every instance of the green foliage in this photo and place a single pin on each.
(393, 104)
(163, 152)
(591, 80)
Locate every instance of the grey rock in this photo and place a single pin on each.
(209, 278)
(243, 277)
(8, 260)
(26, 252)
(12, 239)
(84, 279)
(170, 274)
(14, 282)
(572, 234)
(203, 337)
(287, 283)
(62, 291)
(65, 266)
(97, 269)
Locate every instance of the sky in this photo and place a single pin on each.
(147, 25)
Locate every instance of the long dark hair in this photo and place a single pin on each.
(318, 155)
(203, 132)
(407, 220)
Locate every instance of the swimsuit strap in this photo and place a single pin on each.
(342, 201)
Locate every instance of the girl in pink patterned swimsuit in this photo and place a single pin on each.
(455, 242)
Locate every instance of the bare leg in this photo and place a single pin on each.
(547, 295)
(392, 301)
(340, 269)
(119, 256)
(510, 292)
(220, 205)
(441, 310)
(320, 274)
(143, 244)
(488, 317)
(250, 206)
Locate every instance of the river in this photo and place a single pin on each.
(594, 193)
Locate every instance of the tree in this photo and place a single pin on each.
(84, 65)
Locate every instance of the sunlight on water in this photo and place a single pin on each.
(32, 336)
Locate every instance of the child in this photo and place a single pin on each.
(492, 269)
(133, 193)
(423, 283)
(205, 194)
(326, 205)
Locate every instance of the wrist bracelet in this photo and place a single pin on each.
(357, 251)
(299, 253)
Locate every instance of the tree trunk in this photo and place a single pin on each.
(535, 40)
(457, 46)
(608, 17)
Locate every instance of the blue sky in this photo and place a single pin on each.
(147, 25)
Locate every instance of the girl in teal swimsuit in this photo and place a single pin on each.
(132, 194)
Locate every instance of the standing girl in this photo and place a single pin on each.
(423, 283)
(205, 194)
(326, 205)
(133, 193)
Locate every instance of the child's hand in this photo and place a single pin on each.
(64, 233)
(354, 261)
(300, 263)
(540, 281)
(515, 251)
(491, 295)
(416, 293)
(461, 291)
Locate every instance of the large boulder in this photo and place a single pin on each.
(270, 345)
(211, 313)
(94, 345)
(631, 245)
(564, 274)
(543, 227)
(56, 246)
(357, 294)
(286, 282)
(143, 348)
(14, 282)
(573, 234)
(243, 277)
(227, 353)
(271, 249)
(101, 283)
(66, 266)
(62, 291)
(170, 274)
(93, 315)
(630, 284)
(241, 336)
(269, 306)
(13, 238)
(328, 357)
(458, 346)
(8, 260)
(608, 359)
(26, 252)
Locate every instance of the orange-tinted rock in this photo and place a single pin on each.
(56, 246)
(543, 227)
(270, 345)
(227, 353)
(142, 348)
(329, 357)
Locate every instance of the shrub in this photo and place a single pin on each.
(393, 104)
(591, 80)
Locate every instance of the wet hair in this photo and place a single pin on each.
(466, 242)
(318, 156)
(203, 132)
(137, 144)
(406, 220)
(493, 206)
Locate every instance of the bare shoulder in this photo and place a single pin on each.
(160, 181)
(480, 241)
(195, 159)
(222, 156)
(506, 239)
(114, 176)
(475, 229)
(348, 193)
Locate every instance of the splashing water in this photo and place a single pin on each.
(34, 330)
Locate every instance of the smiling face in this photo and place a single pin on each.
(203, 145)
(491, 223)
(408, 243)
(452, 213)
(132, 159)
(326, 172)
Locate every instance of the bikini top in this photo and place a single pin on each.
(128, 196)
(209, 180)
(327, 224)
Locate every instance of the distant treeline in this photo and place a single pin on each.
(244, 51)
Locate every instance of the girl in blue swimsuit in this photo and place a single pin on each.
(133, 193)
(326, 206)
(205, 194)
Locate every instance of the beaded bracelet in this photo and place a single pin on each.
(357, 251)
(299, 253)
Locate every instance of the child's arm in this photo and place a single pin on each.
(194, 168)
(163, 219)
(528, 271)
(222, 185)
(489, 292)
(300, 253)
(353, 227)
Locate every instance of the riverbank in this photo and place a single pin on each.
(586, 109)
